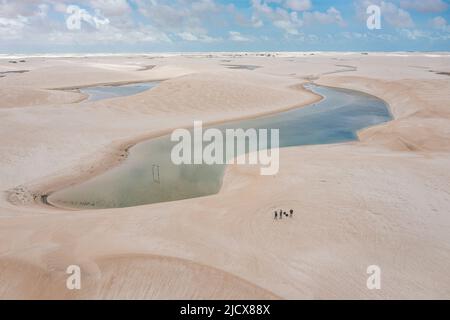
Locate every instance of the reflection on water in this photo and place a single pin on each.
(149, 176)
(107, 92)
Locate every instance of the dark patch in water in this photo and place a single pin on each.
(4, 73)
(335, 119)
(149, 67)
(443, 73)
(244, 66)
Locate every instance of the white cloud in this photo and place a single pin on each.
(289, 20)
(298, 5)
(108, 35)
(32, 24)
(414, 34)
(391, 13)
(236, 36)
(188, 36)
(42, 10)
(13, 9)
(262, 7)
(353, 35)
(12, 28)
(37, 22)
(257, 22)
(18, 19)
(279, 17)
(78, 16)
(395, 16)
(424, 5)
(204, 5)
(331, 16)
(186, 19)
(440, 23)
(111, 7)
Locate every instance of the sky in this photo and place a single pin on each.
(119, 26)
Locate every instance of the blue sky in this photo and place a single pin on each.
(38, 26)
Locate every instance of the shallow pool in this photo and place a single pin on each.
(114, 91)
(149, 176)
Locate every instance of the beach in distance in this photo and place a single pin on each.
(362, 183)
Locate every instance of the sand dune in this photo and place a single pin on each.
(382, 200)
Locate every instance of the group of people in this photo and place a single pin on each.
(281, 213)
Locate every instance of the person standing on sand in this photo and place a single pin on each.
(276, 215)
(292, 213)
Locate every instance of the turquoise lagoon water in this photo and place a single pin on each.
(149, 176)
(114, 91)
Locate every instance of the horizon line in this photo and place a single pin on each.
(66, 54)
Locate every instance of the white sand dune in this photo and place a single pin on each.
(141, 277)
(383, 200)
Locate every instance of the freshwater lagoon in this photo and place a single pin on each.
(149, 176)
(113, 91)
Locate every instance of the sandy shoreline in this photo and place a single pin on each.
(381, 200)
